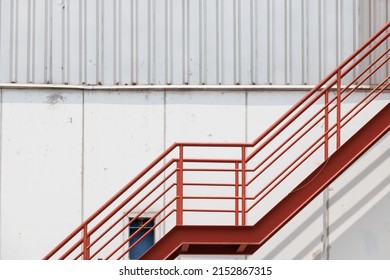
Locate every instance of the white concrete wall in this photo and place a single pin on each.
(40, 169)
(359, 204)
(65, 152)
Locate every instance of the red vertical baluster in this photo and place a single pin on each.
(326, 145)
(338, 112)
(86, 242)
(179, 188)
(236, 194)
(243, 186)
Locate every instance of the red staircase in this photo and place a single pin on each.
(237, 196)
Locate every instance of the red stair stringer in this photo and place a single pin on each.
(245, 240)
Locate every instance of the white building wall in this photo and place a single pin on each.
(359, 202)
(123, 132)
(65, 150)
(40, 169)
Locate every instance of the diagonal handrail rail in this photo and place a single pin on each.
(330, 77)
(241, 163)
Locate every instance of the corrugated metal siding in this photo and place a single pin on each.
(373, 14)
(181, 41)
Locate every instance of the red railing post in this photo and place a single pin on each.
(326, 156)
(338, 110)
(326, 125)
(179, 188)
(86, 242)
(236, 194)
(243, 186)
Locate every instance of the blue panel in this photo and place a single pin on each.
(147, 242)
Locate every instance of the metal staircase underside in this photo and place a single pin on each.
(246, 240)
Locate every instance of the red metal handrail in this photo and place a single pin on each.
(325, 81)
(325, 116)
(101, 233)
(313, 148)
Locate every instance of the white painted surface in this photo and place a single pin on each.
(65, 152)
(40, 171)
(123, 132)
(359, 207)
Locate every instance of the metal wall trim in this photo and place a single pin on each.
(154, 88)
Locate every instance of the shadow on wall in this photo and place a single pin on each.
(343, 242)
(369, 236)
